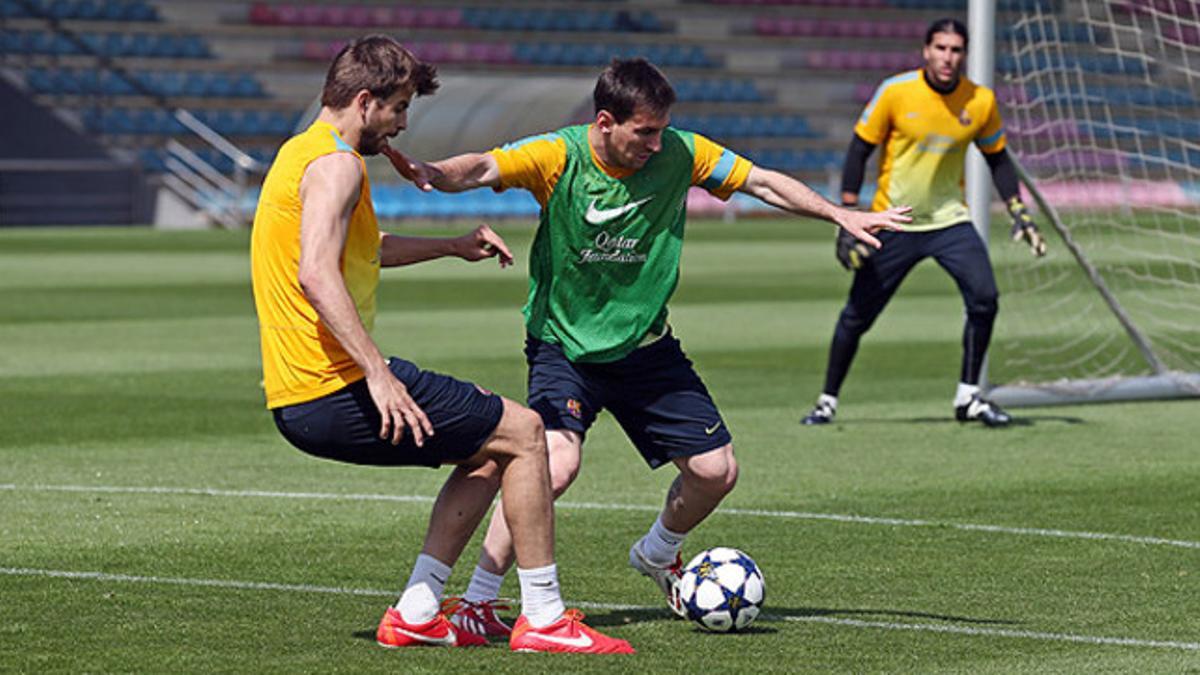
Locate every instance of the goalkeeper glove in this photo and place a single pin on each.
(851, 253)
(1024, 227)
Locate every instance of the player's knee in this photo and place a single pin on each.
(984, 307)
(529, 433)
(715, 472)
(852, 324)
(520, 434)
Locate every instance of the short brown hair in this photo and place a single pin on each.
(627, 84)
(379, 64)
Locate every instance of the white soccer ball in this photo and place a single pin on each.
(722, 589)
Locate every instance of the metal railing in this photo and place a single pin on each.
(199, 183)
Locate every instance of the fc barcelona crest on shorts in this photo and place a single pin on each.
(483, 391)
(575, 408)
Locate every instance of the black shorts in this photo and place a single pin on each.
(654, 393)
(344, 425)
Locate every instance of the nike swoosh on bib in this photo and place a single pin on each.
(597, 216)
(583, 640)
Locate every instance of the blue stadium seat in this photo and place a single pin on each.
(40, 81)
(151, 160)
(141, 45)
(10, 9)
(247, 86)
(192, 47)
(195, 85)
(61, 45)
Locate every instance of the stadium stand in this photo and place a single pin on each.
(780, 81)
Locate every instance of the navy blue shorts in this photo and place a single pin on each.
(344, 425)
(654, 394)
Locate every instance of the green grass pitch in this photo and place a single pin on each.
(153, 520)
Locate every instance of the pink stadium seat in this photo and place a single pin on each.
(289, 15)
(380, 17)
(1186, 34)
(438, 18)
(315, 50)
(263, 14)
(805, 27)
(311, 15)
(1010, 94)
(358, 16)
(404, 17)
(770, 26)
(331, 15)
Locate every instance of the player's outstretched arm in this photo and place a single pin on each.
(328, 194)
(478, 244)
(453, 174)
(789, 194)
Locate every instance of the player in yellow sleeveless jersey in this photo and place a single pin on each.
(316, 250)
(925, 119)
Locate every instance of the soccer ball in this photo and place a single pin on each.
(722, 589)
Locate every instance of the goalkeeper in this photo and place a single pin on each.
(925, 119)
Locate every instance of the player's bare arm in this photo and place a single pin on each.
(328, 193)
(479, 244)
(453, 174)
(791, 195)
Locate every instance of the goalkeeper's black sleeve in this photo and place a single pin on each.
(1004, 175)
(856, 164)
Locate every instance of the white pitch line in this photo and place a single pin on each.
(999, 632)
(595, 506)
(853, 623)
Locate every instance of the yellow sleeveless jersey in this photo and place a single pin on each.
(301, 359)
(925, 136)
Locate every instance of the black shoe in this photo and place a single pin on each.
(822, 413)
(979, 408)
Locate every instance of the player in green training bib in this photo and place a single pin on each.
(604, 263)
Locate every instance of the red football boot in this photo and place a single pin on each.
(394, 631)
(568, 634)
(477, 617)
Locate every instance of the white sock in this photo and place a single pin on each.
(541, 602)
(484, 586)
(422, 596)
(831, 401)
(660, 545)
(964, 393)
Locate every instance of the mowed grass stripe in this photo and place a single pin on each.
(371, 592)
(599, 506)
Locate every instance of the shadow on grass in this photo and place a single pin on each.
(779, 614)
(1018, 420)
(625, 617)
(601, 620)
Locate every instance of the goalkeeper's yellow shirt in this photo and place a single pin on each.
(925, 136)
(301, 360)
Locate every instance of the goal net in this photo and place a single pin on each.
(1102, 107)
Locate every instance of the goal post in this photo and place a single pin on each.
(1102, 110)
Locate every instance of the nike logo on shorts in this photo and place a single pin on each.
(713, 429)
(597, 216)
